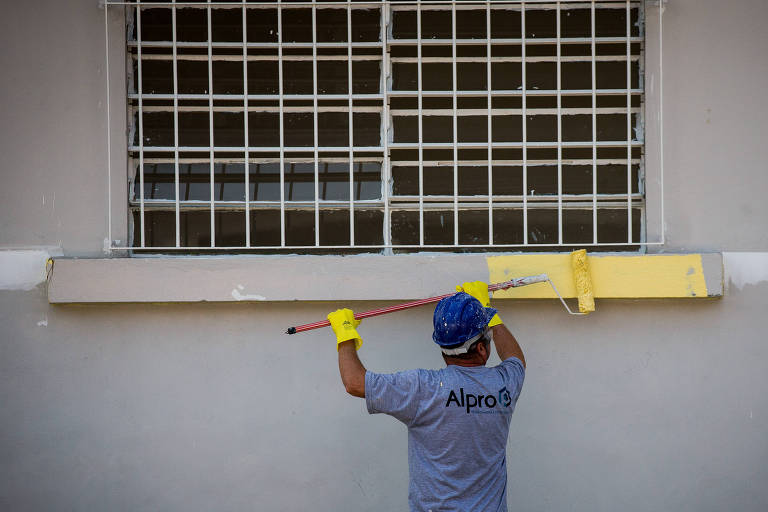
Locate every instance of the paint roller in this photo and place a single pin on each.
(582, 281)
(581, 278)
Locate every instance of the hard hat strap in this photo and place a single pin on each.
(464, 347)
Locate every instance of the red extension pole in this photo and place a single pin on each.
(513, 283)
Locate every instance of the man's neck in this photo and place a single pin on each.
(463, 362)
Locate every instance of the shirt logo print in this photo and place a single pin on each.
(470, 401)
(504, 397)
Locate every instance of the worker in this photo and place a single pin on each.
(457, 417)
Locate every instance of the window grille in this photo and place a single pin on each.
(386, 126)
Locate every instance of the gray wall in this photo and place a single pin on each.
(644, 405)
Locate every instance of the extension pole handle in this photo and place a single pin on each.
(368, 314)
(513, 283)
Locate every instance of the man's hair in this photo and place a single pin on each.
(472, 349)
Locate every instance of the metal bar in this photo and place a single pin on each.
(262, 149)
(559, 134)
(108, 130)
(629, 129)
(263, 45)
(246, 167)
(530, 144)
(661, 120)
(410, 202)
(480, 200)
(176, 127)
(455, 133)
(385, 166)
(351, 130)
(517, 92)
(433, 4)
(513, 41)
(421, 127)
(259, 108)
(404, 112)
(393, 42)
(442, 5)
(640, 126)
(315, 125)
(394, 145)
(399, 163)
(524, 90)
(399, 93)
(484, 163)
(210, 129)
(260, 97)
(141, 127)
(253, 58)
(282, 121)
(513, 111)
(362, 247)
(594, 127)
(490, 121)
(568, 58)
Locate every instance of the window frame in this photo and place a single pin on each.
(117, 244)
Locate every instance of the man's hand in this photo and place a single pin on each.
(479, 290)
(348, 341)
(344, 323)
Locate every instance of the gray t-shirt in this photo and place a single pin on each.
(458, 422)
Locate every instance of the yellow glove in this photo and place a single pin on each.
(479, 290)
(343, 323)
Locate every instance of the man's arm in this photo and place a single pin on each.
(343, 323)
(506, 344)
(351, 369)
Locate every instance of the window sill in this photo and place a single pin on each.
(353, 278)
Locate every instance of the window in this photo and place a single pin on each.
(386, 126)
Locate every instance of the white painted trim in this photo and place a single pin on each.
(23, 269)
(745, 268)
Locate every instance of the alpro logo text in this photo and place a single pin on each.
(470, 401)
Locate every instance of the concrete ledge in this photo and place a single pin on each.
(350, 278)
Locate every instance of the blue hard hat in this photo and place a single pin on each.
(458, 319)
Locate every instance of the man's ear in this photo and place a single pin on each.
(484, 350)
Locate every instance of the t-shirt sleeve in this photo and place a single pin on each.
(396, 394)
(514, 375)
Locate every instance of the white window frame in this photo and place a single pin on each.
(113, 244)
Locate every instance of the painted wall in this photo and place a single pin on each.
(652, 405)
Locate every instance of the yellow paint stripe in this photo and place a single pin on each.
(642, 276)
